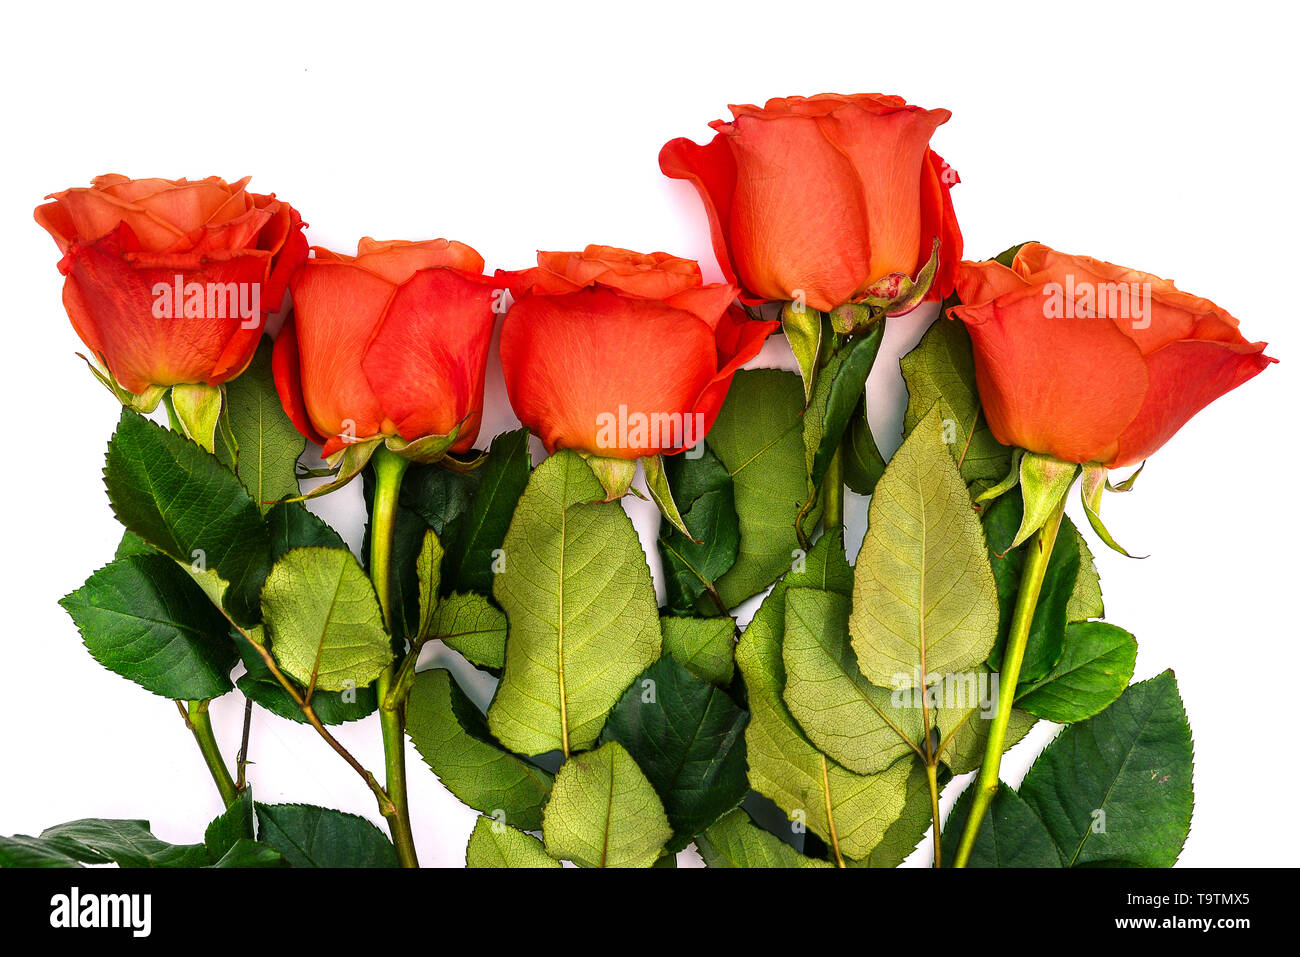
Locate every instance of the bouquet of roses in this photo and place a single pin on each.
(630, 722)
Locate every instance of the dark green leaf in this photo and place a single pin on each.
(863, 463)
(1002, 519)
(145, 619)
(1011, 834)
(703, 491)
(1116, 790)
(310, 836)
(125, 843)
(291, 526)
(838, 391)
(1095, 668)
(182, 501)
(686, 735)
(482, 528)
(230, 827)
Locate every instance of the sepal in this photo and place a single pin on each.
(1044, 481)
(198, 407)
(1094, 483)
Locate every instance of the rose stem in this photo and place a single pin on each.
(196, 718)
(1031, 583)
(389, 469)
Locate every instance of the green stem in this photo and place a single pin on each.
(932, 776)
(196, 716)
(1031, 583)
(389, 468)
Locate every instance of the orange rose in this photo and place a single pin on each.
(621, 354)
(1091, 362)
(391, 342)
(170, 281)
(827, 195)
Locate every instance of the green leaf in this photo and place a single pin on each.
(331, 707)
(863, 463)
(902, 837)
(310, 836)
(803, 328)
(23, 851)
(703, 490)
(604, 813)
(736, 841)
(1002, 518)
(581, 606)
(230, 827)
(836, 394)
(472, 625)
(924, 600)
(687, 736)
(440, 496)
(452, 737)
(132, 544)
(704, 645)
(849, 719)
(1086, 601)
(249, 853)
(1116, 790)
(292, 526)
(323, 620)
(492, 844)
(784, 766)
(268, 444)
(143, 618)
(1093, 671)
(125, 843)
(428, 572)
(1011, 834)
(758, 437)
(182, 501)
(482, 529)
(941, 371)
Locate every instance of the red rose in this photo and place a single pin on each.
(1091, 362)
(391, 342)
(826, 196)
(621, 354)
(170, 281)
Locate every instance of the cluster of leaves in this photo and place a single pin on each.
(620, 732)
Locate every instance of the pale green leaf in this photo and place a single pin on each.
(583, 619)
(493, 844)
(604, 813)
(323, 620)
(924, 600)
(704, 645)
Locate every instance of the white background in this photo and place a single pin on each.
(1156, 136)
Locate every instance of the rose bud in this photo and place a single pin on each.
(1082, 361)
(623, 356)
(387, 346)
(828, 201)
(169, 282)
